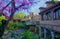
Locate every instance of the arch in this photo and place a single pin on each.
(57, 8)
(56, 13)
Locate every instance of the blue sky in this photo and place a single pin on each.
(35, 8)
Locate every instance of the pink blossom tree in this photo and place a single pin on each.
(26, 3)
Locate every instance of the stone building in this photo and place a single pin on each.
(49, 27)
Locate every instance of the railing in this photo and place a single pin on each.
(51, 22)
(51, 25)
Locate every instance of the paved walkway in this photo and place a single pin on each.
(17, 34)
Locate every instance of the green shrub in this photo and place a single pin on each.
(29, 35)
(15, 25)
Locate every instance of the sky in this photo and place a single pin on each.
(35, 8)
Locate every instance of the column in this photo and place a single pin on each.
(44, 33)
(39, 32)
(52, 16)
(52, 35)
(42, 17)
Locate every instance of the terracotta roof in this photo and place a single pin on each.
(47, 9)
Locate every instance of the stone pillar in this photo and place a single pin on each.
(39, 32)
(44, 33)
(52, 16)
(52, 35)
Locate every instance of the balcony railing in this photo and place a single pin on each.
(52, 25)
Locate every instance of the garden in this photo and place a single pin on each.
(17, 30)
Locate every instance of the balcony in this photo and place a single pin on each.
(52, 25)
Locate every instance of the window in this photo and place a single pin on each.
(48, 16)
(57, 14)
